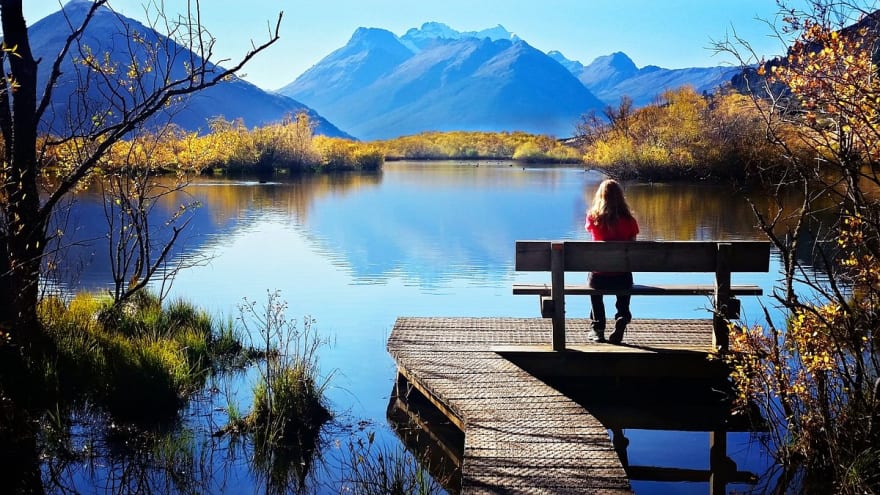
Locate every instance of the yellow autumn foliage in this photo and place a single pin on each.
(684, 135)
(479, 145)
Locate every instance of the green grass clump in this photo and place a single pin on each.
(290, 405)
(288, 411)
(289, 395)
(285, 428)
(138, 360)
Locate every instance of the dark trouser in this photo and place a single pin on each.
(610, 281)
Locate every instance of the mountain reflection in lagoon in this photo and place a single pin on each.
(356, 251)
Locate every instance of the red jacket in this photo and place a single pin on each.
(626, 229)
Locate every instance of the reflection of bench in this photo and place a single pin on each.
(720, 258)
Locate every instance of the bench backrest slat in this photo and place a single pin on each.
(644, 256)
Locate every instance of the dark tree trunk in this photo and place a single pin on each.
(24, 236)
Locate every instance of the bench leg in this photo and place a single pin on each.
(557, 293)
(558, 334)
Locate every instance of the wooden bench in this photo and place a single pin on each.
(720, 258)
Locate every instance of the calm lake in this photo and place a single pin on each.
(356, 251)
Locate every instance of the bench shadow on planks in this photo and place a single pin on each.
(719, 257)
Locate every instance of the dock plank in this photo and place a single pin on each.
(521, 435)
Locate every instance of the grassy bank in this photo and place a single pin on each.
(464, 145)
(291, 147)
(111, 383)
(140, 361)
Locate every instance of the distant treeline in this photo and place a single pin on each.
(464, 145)
(230, 147)
(684, 135)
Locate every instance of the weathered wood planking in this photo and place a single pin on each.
(521, 435)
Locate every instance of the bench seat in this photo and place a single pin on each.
(639, 290)
(548, 307)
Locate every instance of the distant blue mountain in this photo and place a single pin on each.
(369, 55)
(381, 86)
(79, 96)
(611, 76)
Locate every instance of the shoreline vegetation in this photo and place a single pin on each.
(129, 372)
(291, 147)
(141, 360)
(480, 145)
(683, 136)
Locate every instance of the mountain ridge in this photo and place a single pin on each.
(74, 102)
(438, 71)
(483, 80)
(615, 75)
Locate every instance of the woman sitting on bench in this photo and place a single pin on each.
(610, 219)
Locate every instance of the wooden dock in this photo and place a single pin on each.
(521, 435)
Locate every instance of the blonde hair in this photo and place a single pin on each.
(609, 204)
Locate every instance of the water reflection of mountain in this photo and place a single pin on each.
(225, 207)
(435, 222)
(426, 223)
(84, 253)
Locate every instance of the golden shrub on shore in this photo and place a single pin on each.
(684, 135)
(464, 145)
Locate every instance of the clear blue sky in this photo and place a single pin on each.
(668, 33)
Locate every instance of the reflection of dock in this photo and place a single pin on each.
(425, 431)
(490, 377)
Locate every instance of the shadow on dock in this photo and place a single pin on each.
(620, 404)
